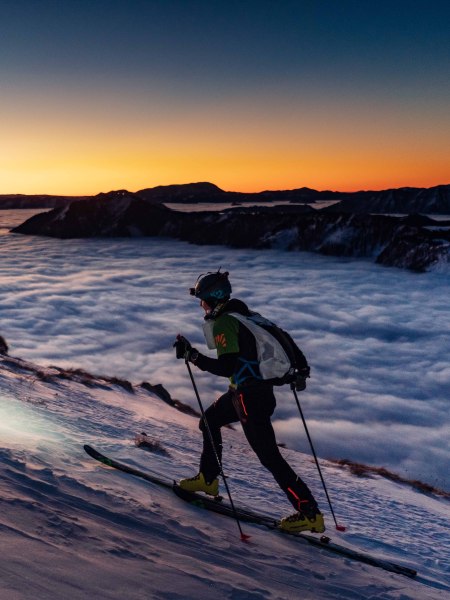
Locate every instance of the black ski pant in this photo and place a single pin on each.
(253, 406)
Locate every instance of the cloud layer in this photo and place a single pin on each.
(376, 338)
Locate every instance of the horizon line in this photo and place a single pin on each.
(334, 191)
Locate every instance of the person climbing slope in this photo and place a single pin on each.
(249, 399)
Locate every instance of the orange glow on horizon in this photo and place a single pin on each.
(237, 147)
(63, 184)
(80, 174)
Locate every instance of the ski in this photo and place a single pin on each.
(248, 516)
(110, 462)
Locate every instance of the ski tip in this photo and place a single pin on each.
(341, 528)
(245, 537)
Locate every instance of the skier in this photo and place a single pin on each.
(249, 400)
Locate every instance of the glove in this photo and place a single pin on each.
(183, 349)
(300, 379)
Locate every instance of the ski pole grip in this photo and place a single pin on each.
(180, 347)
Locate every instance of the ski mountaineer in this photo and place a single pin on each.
(249, 400)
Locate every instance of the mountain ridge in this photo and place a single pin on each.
(414, 242)
(433, 200)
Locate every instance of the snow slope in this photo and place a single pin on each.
(72, 528)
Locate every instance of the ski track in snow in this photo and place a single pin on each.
(72, 528)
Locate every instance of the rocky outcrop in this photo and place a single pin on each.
(116, 214)
(435, 200)
(3, 346)
(413, 242)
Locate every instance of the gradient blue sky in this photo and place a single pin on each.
(342, 94)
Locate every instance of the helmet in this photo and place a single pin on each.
(214, 288)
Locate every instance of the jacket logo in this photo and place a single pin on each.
(221, 340)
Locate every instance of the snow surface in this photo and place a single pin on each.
(72, 528)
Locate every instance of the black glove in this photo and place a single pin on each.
(300, 379)
(183, 349)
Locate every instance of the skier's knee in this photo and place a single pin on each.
(202, 425)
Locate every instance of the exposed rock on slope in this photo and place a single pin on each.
(52, 374)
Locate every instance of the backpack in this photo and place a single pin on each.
(280, 359)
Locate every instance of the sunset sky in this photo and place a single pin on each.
(251, 95)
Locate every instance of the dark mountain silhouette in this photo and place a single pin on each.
(12, 201)
(208, 192)
(435, 200)
(190, 192)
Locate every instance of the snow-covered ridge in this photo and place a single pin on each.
(53, 374)
(75, 529)
(406, 242)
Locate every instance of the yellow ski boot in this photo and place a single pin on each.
(198, 484)
(301, 522)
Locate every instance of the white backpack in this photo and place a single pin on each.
(274, 361)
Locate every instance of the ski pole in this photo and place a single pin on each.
(244, 537)
(338, 527)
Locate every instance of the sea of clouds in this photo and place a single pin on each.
(377, 339)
